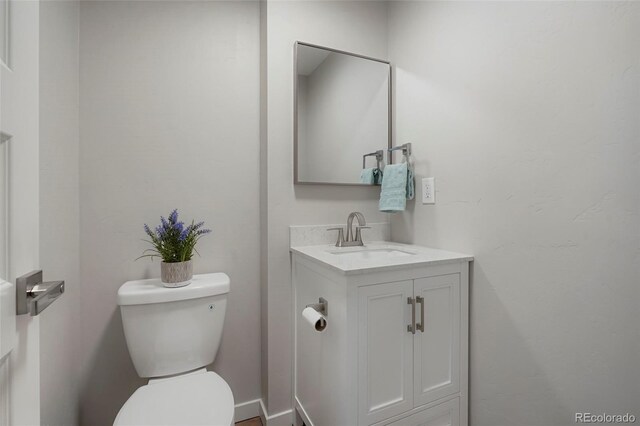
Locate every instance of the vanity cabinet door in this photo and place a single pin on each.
(437, 347)
(385, 351)
(444, 414)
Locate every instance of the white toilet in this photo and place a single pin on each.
(172, 335)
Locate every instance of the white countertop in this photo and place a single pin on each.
(412, 256)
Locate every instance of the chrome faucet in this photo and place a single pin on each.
(350, 239)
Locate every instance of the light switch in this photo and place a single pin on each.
(428, 190)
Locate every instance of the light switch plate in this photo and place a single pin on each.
(428, 190)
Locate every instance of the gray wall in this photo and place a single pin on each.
(356, 26)
(169, 118)
(528, 115)
(60, 345)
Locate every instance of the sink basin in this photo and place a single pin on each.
(371, 254)
(375, 256)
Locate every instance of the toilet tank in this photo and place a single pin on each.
(173, 330)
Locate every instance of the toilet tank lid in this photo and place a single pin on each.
(142, 292)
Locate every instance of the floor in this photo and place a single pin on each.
(251, 422)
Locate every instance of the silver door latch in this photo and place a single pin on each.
(34, 296)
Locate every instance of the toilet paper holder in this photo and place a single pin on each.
(322, 306)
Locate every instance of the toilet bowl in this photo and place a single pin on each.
(199, 398)
(172, 334)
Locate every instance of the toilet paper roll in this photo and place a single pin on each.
(315, 318)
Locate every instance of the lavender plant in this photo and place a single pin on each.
(172, 241)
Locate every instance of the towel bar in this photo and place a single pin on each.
(379, 154)
(406, 151)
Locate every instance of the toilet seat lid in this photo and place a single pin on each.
(199, 398)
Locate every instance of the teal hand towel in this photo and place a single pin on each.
(367, 176)
(393, 196)
(377, 176)
(410, 184)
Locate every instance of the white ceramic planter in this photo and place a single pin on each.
(176, 274)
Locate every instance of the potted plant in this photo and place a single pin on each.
(175, 244)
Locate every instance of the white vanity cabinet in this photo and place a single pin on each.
(395, 349)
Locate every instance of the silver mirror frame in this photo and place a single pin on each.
(296, 181)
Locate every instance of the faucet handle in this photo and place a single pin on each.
(340, 230)
(359, 232)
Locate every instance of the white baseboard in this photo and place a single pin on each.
(247, 410)
(302, 413)
(284, 418)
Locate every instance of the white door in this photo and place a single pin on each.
(385, 351)
(437, 347)
(445, 414)
(19, 247)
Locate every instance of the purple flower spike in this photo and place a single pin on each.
(179, 227)
(173, 217)
(172, 240)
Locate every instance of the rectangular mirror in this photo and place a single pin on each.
(342, 116)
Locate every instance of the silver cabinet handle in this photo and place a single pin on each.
(411, 328)
(420, 300)
(34, 296)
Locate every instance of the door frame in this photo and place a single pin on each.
(19, 104)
